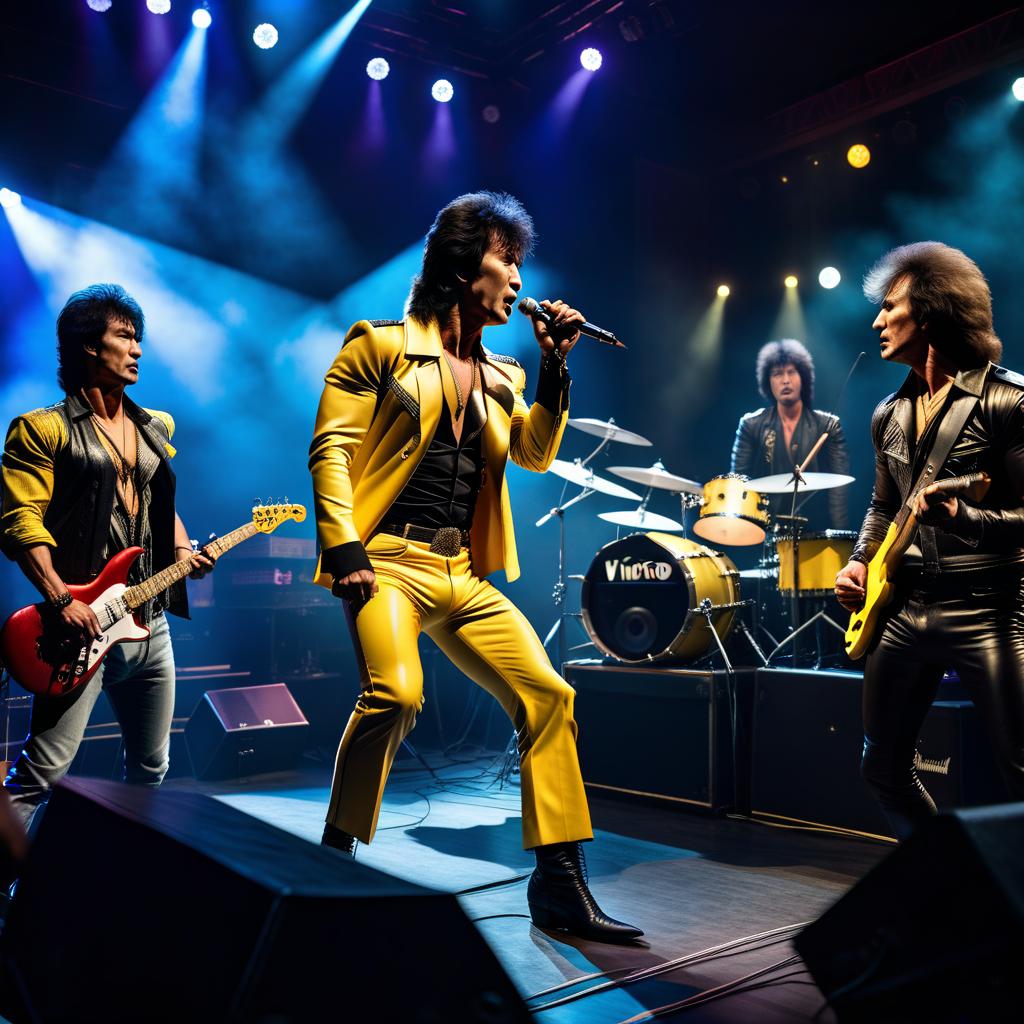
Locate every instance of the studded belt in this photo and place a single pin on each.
(447, 540)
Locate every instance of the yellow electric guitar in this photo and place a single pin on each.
(882, 568)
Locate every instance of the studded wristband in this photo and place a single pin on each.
(58, 604)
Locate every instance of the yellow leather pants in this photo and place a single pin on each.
(490, 640)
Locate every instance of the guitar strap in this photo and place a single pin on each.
(945, 437)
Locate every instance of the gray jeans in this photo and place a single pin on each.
(139, 681)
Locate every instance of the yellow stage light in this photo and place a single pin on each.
(723, 291)
(791, 281)
(858, 156)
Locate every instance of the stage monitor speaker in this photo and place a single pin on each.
(808, 738)
(244, 731)
(661, 732)
(160, 906)
(935, 932)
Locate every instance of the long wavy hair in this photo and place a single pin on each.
(782, 353)
(948, 292)
(83, 321)
(456, 244)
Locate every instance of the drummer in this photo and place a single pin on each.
(776, 438)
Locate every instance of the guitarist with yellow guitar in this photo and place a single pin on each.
(85, 480)
(935, 578)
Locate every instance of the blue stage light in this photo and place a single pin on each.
(1018, 90)
(202, 18)
(265, 36)
(100, 5)
(829, 277)
(9, 198)
(591, 59)
(159, 6)
(378, 69)
(442, 90)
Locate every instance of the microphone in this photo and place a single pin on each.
(533, 309)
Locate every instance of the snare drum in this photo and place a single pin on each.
(642, 594)
(822, 555)
(731, 513)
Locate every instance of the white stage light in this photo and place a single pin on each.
(265, 36)
(442, 90)
(202, 18)
(378, 69)
(100, 5)
(591, 59)
(1018, 90)
(9, 198)
(159, 6)
(829, 277)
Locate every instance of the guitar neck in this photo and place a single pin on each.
(145, 591)
(906, 520)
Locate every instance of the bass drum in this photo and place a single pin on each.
(641, 597)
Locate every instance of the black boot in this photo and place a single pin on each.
(559, 897)
(339, 839)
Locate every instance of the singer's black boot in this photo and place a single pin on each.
(559, 897)
(339, 839)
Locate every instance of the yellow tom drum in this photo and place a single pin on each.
(731, 513)
(822, 555)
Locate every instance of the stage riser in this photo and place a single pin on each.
(659, 732)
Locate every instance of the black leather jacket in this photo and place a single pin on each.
(982, 535)
(760, 450)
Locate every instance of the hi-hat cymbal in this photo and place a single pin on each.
(609, 430)
(782, 483)
(584, 476)
(658, 476)
(641, 519)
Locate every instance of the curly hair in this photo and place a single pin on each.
(83, 321)
(456, 244)
(948, 292)
(782, 353)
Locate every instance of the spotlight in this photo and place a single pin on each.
(829, 277)
(378, 69)
(591, 59)
(858, 155)
(723, 291)
(491, 113)
(791, 281)
(1018, 90)
(265, 36)
(442, 90)
(202, 18)
(100, 5)
(159, 6)
(9, 198)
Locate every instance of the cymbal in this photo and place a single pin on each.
(584, 476)
(609, 430)
(782, 483)
(658, 476)
(642, 520)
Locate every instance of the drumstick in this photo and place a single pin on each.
(797, 470)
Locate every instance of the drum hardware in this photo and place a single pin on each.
(578, 473)
(708, 610)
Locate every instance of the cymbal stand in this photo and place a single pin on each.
(604, 442)
(560, 589)
(686, 502)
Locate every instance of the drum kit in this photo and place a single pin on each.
(652, 596)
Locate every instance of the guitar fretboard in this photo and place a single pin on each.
(145, 591)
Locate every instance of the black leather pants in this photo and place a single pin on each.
(975, 627)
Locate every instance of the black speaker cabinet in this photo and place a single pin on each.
(808, 737)
(935, 932)
(662, 732)
(142, 905)
(244, 731)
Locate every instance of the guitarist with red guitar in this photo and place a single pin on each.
(935, 578)
(83, 480)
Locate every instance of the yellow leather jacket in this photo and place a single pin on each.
(380, 407)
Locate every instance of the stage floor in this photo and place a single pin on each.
(692, 882)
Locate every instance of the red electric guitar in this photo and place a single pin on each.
(43, 656)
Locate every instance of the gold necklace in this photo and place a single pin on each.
(460, 404)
